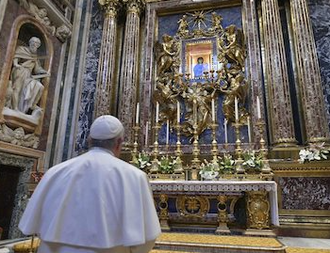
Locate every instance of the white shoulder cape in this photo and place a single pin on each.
(94, 200)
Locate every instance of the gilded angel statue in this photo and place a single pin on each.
(237, 88)
(166, 55)
(235, 47)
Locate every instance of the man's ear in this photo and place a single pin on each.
(120, 141)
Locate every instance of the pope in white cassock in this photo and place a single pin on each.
(94, 203)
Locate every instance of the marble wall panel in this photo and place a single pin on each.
(320, 16)
(86, 109)
(305, 193)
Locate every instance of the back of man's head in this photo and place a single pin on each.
(107, 132)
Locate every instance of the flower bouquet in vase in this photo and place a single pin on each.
(226, 166)
(252, 162)
(209, 171)
(316, 152)
(143, 161)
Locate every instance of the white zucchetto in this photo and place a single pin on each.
(106, 127)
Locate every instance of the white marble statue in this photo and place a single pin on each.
(26, 75)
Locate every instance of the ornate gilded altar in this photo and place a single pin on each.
(248, 207)
(200, 84)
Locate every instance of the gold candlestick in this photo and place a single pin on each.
(214, 144)
(32, 244)
(178, 168)
(266, 170)
(238, 149)
(136, 129)
(154, 164)
(195, 162)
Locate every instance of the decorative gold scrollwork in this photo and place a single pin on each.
(258, 209)
(193, 206)
(163, 212)
(228, 78)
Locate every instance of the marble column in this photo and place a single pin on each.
(309, 77)
(129, 69)
(254, 65)
(105, 75)
(280, 111)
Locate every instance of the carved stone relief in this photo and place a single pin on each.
(18, 137)
(62, 32)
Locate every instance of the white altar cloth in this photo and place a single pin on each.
(223, 186)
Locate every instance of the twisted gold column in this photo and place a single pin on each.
(107, 56)
(281, 119)
(130, 61)
(316, 126)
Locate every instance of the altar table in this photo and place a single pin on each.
(207, 201)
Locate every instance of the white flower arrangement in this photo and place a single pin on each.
(252, 161)
(143, 161)
(227, 164)
(209, 171)
(314, 153)
(166, 164)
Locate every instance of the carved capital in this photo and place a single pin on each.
(110, 7)
(134, 6)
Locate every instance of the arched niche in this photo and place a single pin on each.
(24, 28)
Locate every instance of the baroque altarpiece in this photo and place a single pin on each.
(222, 102)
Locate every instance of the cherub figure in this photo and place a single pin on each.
(183, 25)
(216, 21)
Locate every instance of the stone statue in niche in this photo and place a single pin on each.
(25, 78)
(22, 111)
